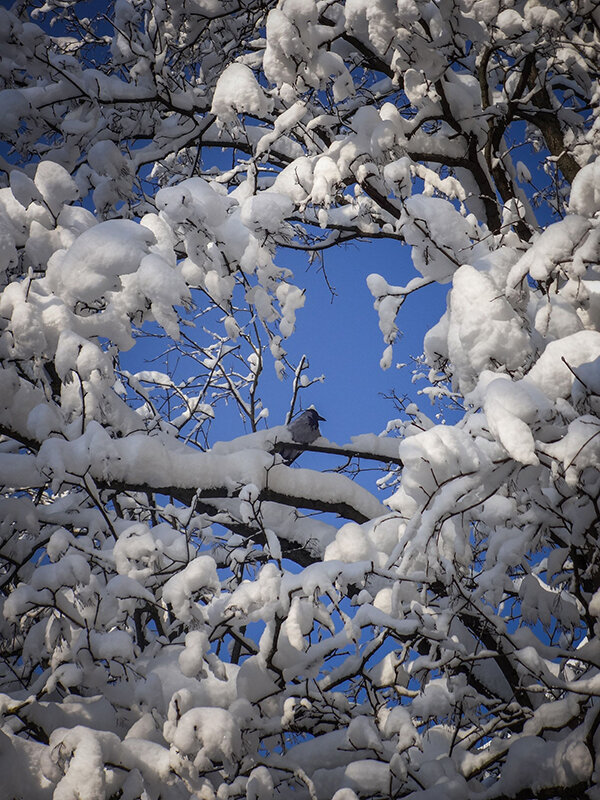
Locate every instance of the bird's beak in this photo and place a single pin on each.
(321, 418)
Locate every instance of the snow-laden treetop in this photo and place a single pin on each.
(179, 619)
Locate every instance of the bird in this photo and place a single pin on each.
(304, 430)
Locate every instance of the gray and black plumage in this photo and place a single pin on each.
(304, 430)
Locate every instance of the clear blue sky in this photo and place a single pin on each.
(342, 338)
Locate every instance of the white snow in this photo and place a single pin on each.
(238, 92)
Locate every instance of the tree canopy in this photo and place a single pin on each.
(191, 618)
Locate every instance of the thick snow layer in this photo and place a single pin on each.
(144, 460)
(351, 544)
(96, 260)
(206, 733)
(260, 784)
(285, 122)
(483, 329)
(55, 184)
(555, 370)
(553, 247)
(200, 575)
(265, 212)
(326, 178)
(585, 191)
(362, 775)
(238, 92)
(372, 443)
(565, 762)
(511, 409)
(579, 448)
(192, 196)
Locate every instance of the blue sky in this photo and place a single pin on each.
(341, 337)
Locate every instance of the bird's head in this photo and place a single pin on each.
(313, 416)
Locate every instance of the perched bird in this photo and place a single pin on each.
(304, 430)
